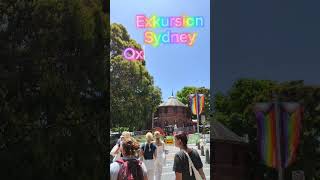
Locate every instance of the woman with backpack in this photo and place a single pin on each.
(187, 162)
(128, 167)
(149, 154)
(161, 157)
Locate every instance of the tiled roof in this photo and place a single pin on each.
(220, 132)
(172, 101)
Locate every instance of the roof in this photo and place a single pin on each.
(222, 133)
(172, 101)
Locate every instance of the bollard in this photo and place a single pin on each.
(207, 156)
(202, 151)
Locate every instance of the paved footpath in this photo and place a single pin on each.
(168, 174)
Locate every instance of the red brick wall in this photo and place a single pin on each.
(229, 161)
(180, 117)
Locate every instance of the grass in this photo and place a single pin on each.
(193, 138)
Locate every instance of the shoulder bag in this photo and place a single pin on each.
(191, 167)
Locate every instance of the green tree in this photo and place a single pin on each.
(133, 94)
(53, 89)
(235, 109)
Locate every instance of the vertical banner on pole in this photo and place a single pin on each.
(289, 132)
(193, 104)
(196, 103)
(266, 121)
(197, 106)
(291, 116)
(201, 103)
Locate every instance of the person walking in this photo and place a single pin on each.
(148, 153)
(161, 157)
(187, 162)
(128, 167)
(115, 152)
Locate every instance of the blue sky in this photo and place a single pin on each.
(271, 39)
(172, 66)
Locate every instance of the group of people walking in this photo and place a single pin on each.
(133, 161)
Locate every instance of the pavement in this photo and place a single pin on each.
(168, 173)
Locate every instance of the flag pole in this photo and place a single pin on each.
(197, 101)
(278, 135)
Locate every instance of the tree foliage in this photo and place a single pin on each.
(235, 109)
(133, 94)
(53, 89)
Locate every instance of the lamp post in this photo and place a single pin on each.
(276, 104)
(197, 113)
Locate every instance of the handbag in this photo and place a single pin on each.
(191, 166)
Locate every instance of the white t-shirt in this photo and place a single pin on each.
(115, 168)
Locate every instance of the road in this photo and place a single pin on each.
(167, 172)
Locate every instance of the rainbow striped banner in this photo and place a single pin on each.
(290, 126)
(197, 103)
(266, 121)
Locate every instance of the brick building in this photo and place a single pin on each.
(229, 154)
(172, 112)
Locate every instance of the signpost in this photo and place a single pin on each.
(169, 140)
(203, 118)
(298, 175)
(198, 124)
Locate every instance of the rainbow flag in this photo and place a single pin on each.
(197, 103)
(266, 122)
(290, 126)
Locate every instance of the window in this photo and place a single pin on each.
(166, 110)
